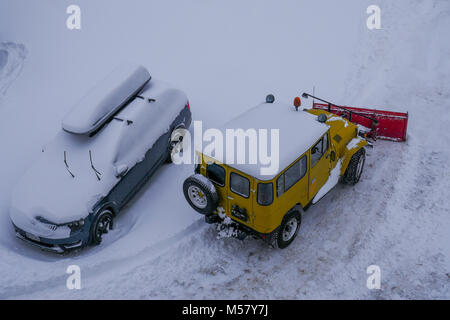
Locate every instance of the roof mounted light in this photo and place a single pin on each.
(297, 103)
(270, 98)
(322, 118)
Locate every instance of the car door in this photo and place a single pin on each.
(240, 196)
(319, 164)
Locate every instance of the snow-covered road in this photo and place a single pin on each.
(397, 217)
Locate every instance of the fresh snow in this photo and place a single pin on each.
(396, 217)
(354, 143)
(12, 56)
(297, 132)
(332, 181)
(106, 98)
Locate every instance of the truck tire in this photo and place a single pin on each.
(201, 194)
(355, 167)
(283, 236)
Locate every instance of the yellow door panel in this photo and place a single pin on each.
(240, 197)
(320, 164)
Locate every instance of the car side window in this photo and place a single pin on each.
(292, 175)
(240, 185)
(319, 150)
(216, 173)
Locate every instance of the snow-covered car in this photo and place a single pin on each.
(112, 142)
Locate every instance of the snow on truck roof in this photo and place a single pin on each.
(106, 98)
(298, 131)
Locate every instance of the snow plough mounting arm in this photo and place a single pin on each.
(380, 124)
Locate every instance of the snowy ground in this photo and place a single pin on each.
(227, 56)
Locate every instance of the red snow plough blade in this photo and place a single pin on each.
(380, 124)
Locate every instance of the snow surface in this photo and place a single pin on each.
(227, 56)
(12, 56)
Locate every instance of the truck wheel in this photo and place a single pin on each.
(101, 225)
(283, 236)
(201, 194)
(355, 167)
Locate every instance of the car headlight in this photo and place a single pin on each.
(76, 225)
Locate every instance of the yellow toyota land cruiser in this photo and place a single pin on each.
(316, 150)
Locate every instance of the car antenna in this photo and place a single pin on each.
(67, 166)
(97, 174)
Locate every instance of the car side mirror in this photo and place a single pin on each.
(121, 170)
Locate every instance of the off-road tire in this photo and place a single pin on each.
(202, 184)
(355, 168)
(276, 238)
(98, 227)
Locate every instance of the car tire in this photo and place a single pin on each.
(174, 144)
(201, 194)
(285, 234)
(102, 223)
(355, 167)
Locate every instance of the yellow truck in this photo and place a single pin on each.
(316, 150)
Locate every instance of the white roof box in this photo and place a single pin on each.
(106, 98)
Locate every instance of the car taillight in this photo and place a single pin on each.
(188, 106)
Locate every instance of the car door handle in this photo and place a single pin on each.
(230, 198)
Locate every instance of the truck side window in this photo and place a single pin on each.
(291, 176)
(216, 174)
(265, 193)
(240, 185)
(316, 152)
(325, 143)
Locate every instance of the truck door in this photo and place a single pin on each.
(217, 174)
(320, 165)
(240, 196)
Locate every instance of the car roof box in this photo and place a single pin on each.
(106, 98)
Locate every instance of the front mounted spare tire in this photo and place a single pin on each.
(201, 194)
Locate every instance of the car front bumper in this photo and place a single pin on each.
(50, 245)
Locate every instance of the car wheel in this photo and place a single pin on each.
(101, 225)
(355, 167)
(175, 143)
(201, 194)
(283, 236)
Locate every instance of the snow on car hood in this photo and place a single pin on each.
(48, 190)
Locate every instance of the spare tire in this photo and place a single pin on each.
(201, 194)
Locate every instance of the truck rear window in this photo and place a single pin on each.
(265, 193)
(240, 185)
(216, 174)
